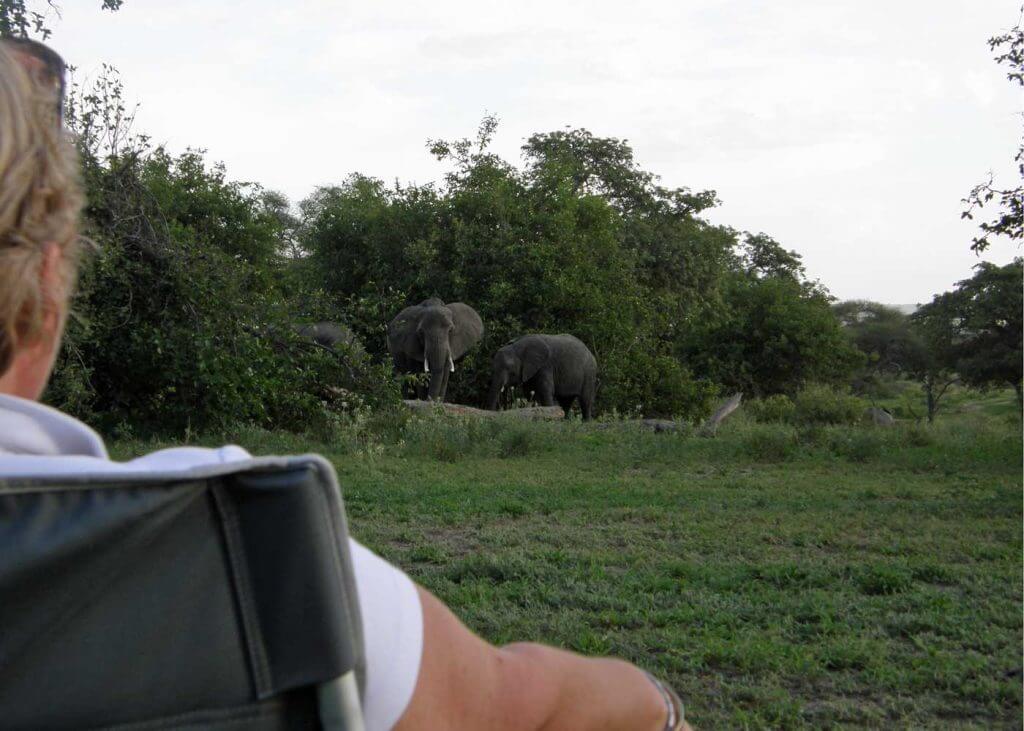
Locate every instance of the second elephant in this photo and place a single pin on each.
(558, 368)
(330, 335)
(430, 337)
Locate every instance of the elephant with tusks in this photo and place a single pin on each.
(558, 368)
(432, 337)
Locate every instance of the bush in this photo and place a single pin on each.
(858, 445)
(819, 404)
(771, 409)
(438, 437)
(916, 435)
(183, 316)
(518, 442)
(181, 324)
(776, 443)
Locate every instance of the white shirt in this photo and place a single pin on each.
(36, 440)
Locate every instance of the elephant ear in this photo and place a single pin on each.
(469, 328)
(535, 354)
(402, 337)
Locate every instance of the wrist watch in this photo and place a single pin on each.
(673, 704)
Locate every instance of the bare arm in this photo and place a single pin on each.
(466, 683)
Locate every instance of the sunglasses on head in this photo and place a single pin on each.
(44, 65)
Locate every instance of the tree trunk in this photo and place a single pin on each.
(929, 396)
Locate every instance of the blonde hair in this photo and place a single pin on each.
(40, 201)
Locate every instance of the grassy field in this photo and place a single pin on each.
(824, 577)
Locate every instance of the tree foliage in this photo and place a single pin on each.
(973, 333)
(773, 334)
(19, 18)
(976, 329)
(885, 336)
(1009, 220)
(183, 319)
(989, 326)
(579, 240)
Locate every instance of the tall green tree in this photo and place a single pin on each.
(542, 249)
(981, 325)
(773, 335)
(974, 332)
(773, 330)
(182, 320)
(885, 336)
(935, 323)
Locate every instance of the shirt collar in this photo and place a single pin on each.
(28, 427)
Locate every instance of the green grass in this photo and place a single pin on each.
(827, 577)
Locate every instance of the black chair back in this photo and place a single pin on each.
(219, 598)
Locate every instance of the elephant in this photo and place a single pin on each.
(430, 337)
(329, 335)
(558, 368)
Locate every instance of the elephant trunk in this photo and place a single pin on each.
(498, 383)
(436, 355)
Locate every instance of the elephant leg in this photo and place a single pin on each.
(566, 403)
(546, 389)
(587, 403)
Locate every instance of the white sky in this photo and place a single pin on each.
(847, 129)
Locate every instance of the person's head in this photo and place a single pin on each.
(40, 200)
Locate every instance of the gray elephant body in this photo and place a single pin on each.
(558, 368)
(431, 337)
(329, 334)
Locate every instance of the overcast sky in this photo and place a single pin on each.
(849, 130)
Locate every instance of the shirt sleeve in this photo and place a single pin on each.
(392, 635)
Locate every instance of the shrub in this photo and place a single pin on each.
(916, 435)
(776, 443)
(181, 324)
(772, 409)
(815, 435)
(818, 404)
(518, 442)
(858, 445)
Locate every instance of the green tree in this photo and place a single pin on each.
(1009, 221)
(935, 324)
(990, 353)
(19, 18)
(775, 334)
(885, 336)
(975, 330)
(182, 320)
(534, 250)
(762, 256)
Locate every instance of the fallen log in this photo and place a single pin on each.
(532, 413)
(880, 417)
(662, 425)
(711, 425)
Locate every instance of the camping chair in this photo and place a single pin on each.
(220, 598)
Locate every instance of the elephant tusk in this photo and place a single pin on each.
(451, 364)
(426, 365)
